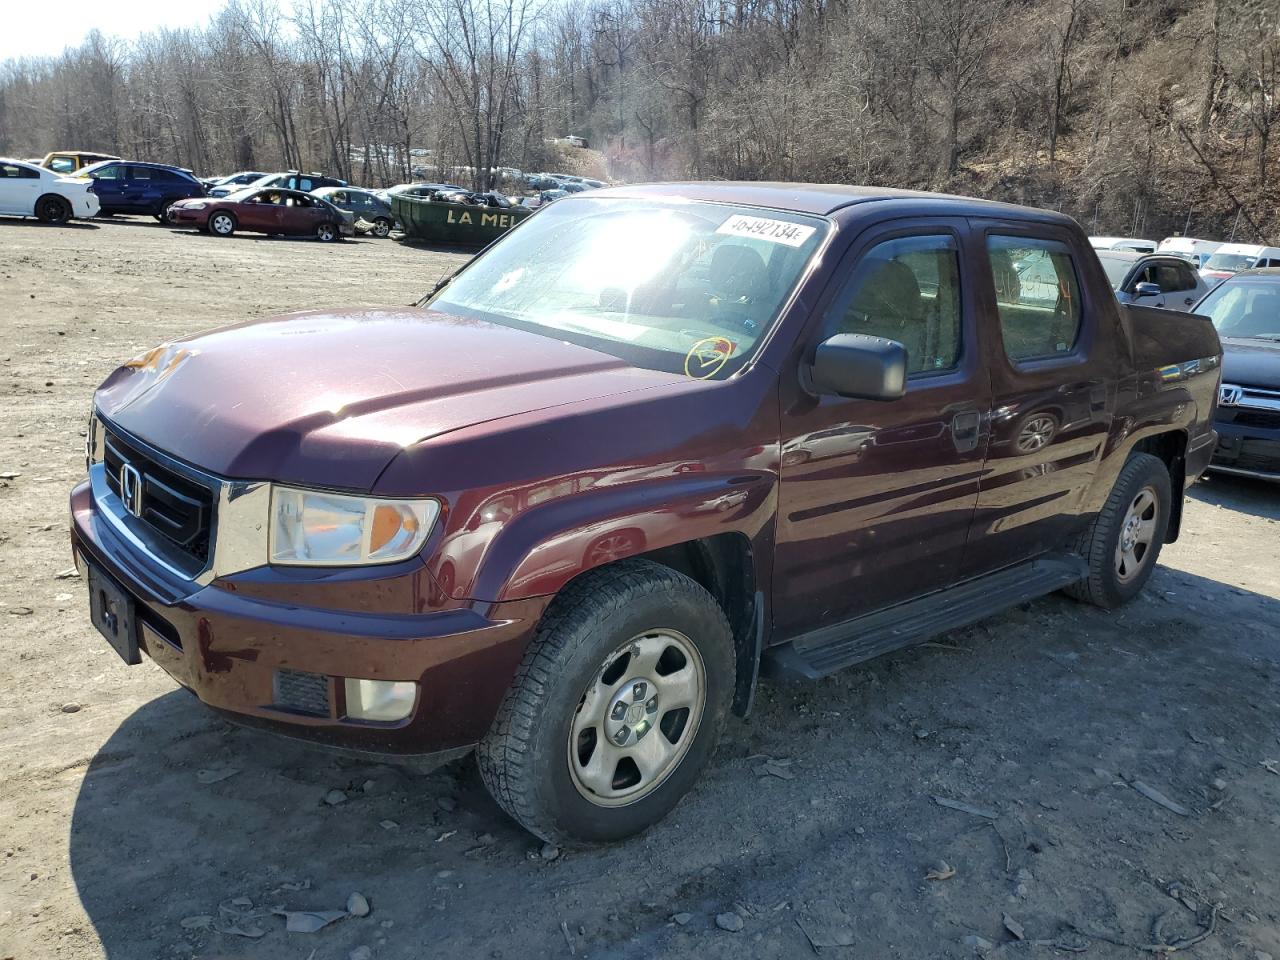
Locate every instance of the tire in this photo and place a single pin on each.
(222, 223)
(162, 211)
(381, 227)
(53, 209)
(619, 653)
(1137, 514)
(327, 233)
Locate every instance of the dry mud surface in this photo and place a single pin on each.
(135, 825)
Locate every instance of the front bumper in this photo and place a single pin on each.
(244, 643)
(186, 215)
(1246, 450)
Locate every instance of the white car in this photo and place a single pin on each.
(27, 190)
(1233, 257)
(1136, 244)
(1191, 249)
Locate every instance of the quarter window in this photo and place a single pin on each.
(1037, 296)
(908, 290)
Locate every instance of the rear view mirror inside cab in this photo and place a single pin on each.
(857, 365)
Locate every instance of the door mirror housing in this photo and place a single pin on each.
(1147, 290)
(860, 366)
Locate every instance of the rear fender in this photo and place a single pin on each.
(543, 549)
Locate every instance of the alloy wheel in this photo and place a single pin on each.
(637, 718)
(1137, 533)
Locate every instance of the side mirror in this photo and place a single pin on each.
(860, 366)
(1147, 290)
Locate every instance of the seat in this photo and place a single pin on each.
(889, 304)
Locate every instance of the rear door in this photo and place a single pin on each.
(139, 190)
(1053, 367)
(876, 498)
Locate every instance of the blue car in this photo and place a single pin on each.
(126, 186)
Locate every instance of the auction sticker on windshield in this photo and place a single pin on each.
(762, 228)
(706, 357)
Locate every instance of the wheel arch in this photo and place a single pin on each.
(1170, 448)
(51, 195)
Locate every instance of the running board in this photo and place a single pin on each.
(828, 649)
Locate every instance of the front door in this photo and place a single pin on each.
(1053, 370)
(109, 184)
(877, 497)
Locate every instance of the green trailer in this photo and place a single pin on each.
(454, 223)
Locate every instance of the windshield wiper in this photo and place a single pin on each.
(440, 285)
(1269, 337)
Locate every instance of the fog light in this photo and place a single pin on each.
(380, 699)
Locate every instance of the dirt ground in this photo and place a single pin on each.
(135, 825)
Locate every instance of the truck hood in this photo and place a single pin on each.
(1251, 363)
(329, 398)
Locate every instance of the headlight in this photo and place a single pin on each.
(194, 206)
(313, 528)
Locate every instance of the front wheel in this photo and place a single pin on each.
(326, 232)
(222, 224)
(617, 707)
(1123, 542)
(381, 227)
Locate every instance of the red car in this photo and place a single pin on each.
(272, 210)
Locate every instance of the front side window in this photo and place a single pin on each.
(689, 288)
(1037, 296)
(113, 172)
(908, 290)
(62, 165)
(1246, 309)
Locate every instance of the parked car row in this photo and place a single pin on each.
(1214, 259)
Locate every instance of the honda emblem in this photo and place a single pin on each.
(1230, 395)
(131, 489)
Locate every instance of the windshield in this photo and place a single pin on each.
(1234, 262)
(1247, 309)
(1116, 269)
(689, 288)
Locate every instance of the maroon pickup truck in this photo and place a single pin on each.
(653, 443)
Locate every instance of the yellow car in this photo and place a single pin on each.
(67, 162)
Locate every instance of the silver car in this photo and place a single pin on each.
(1153, 279)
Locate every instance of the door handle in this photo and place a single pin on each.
(964, 430)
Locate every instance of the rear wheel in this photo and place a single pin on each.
(616, 708)
(1123, 542)
(327, 232)
(381, 227)
(222, 224)
(53, 209)
(161, 212)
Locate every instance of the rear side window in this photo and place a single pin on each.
(12, 171)
(907, 289)
(1037, 296)
(139, 173)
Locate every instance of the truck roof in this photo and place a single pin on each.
(825, 198)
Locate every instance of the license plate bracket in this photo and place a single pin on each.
(112, 610)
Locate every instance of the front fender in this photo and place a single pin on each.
(543, 549)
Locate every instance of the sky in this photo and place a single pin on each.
(41, 30)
